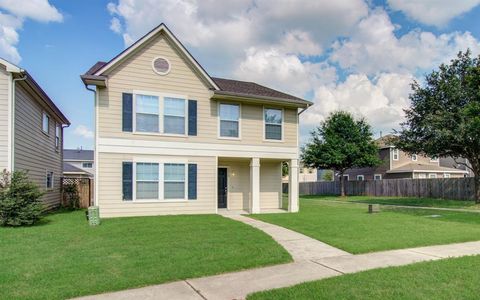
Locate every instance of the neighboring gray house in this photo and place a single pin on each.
(458, 163)
(31, 131)
(78, 163)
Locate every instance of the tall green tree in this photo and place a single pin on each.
(341, 142)
(444, 116)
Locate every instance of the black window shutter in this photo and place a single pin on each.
(192, 117)
(192, 181)
(127, 112)
(127, 181)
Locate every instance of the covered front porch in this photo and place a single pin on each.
(254, 185)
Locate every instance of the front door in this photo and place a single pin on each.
(222, 187)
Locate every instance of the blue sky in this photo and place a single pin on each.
(355, 55)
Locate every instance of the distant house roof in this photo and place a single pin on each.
(71, 169)
(220, 86)
(35, 87)
(416, 167)
(385, 141)
(78, 154)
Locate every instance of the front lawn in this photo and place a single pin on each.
(64, 257)
(349, 227)
(455, 278)
(404, 201)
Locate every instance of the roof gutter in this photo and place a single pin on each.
(304, 109)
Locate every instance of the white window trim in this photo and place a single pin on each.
(161, 106)
(422, 176)
(161, 198)
(45, 114)
(432, 175)
(265, 124)
(360, 176)
(346, 175)
(377, 175)
(446, 175)
(239, 122)
(414, 157)
(161, 73)
(397, 152)
(59, 128)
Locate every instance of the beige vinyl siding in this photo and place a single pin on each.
(35, 151)
(238, 183)
(110, 191)
(135, 74)
(270, 184)
(4, 82)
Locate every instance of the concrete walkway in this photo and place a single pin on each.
(313, 260)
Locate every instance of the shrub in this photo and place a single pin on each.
(19, 200)
(71, 198)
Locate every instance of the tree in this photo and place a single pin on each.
(444, 116)
(341, 142)
(19, 200)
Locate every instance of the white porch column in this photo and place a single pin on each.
(255, 185)
(293, 186)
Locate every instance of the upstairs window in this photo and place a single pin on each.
(414, 157)
(273, 124)
(147, 113)
(87, 165)
(57, 136)
(174, 116)
(229, 120)
(395, 154)
(45, 123)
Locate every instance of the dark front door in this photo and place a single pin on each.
(222, 187)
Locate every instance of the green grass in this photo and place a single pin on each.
(455, 278)
(405, 201)
(65, 257)
(348, 226)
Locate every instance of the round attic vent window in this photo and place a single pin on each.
(161, 65)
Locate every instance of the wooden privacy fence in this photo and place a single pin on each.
(84, 188)
(446, 188)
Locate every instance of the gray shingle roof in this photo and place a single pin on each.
(77, 154)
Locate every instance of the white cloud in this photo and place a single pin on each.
(38, 10)
(115, 25)
(12, 22)
(373, 47)
(433, 12)
(83, 131)
(381, 100)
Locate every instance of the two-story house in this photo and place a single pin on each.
(398, 164)
(31, 131)
(78, 163)
(170, 139)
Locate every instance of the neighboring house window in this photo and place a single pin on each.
(360, 177)
(414, 157)
(57, 136)
(49, 180)
(422, 176)
(346, 177)
(87, 165)
(174, 116)
(45, 123)
(147, 113)
(229, 120)
(395, 154)
(273, 124)
(432, 175)
(174, 181)
(446, 175)
(434, 159)
(377, 177)
(147, 181)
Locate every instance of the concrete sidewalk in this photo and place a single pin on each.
(313, 260)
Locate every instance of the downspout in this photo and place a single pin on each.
(95, 157)
(14, 81)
